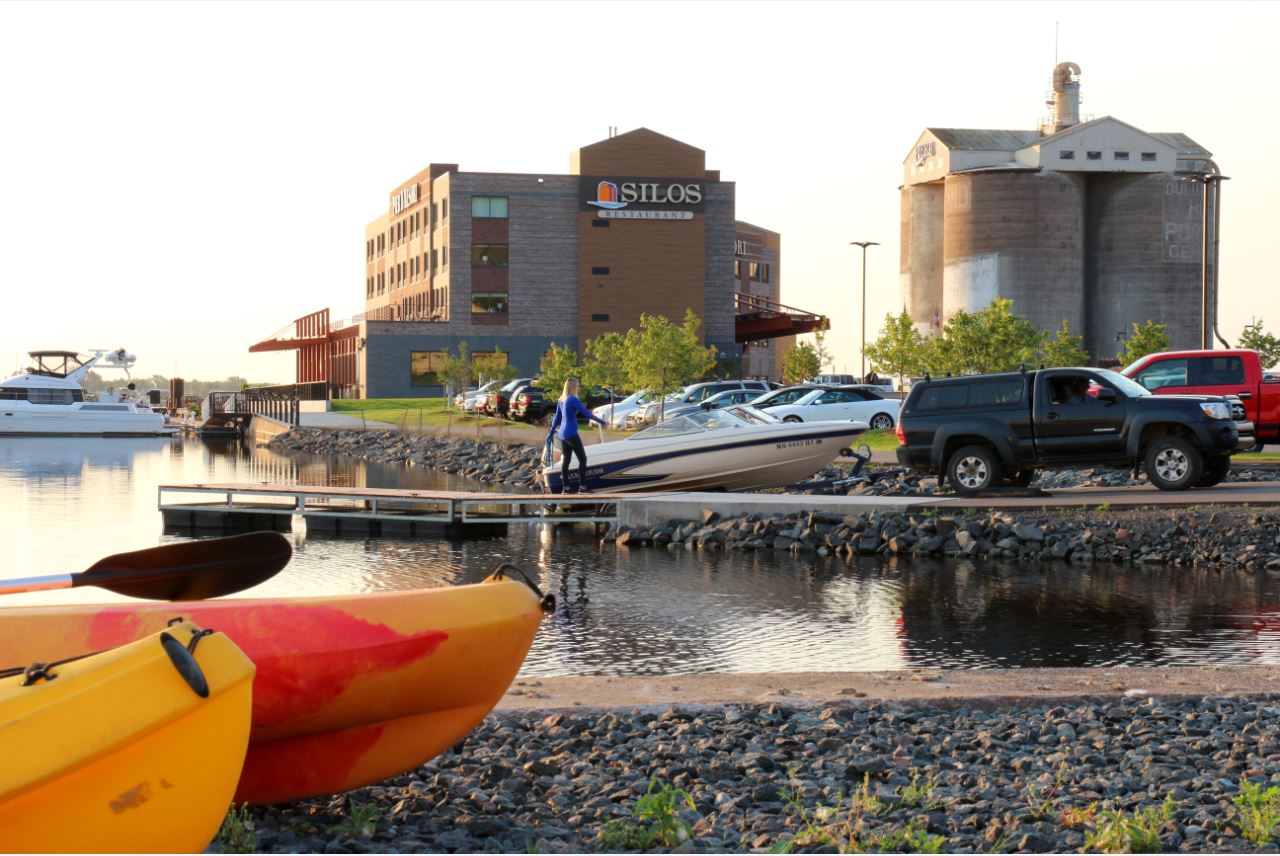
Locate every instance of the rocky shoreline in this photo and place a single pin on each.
(1119, 774)
(1219, 538)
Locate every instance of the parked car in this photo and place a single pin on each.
(984, 430)
(714, 402)
(833, 380)
(785, 395)
(466, 400)
(1236, 373)
(534, 404)
(496, 402)
(617, 414)
(694, 393)
(842, 403)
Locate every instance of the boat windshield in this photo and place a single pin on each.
(706, 420)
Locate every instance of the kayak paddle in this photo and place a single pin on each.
(186, 570)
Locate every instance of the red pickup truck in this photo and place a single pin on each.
(1237, 374)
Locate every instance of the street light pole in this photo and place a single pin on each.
(862, 353)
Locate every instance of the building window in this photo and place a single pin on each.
(424, 367)
(600, 317)
(759, 272)
(1148, 156)
(435, 257)
(490, 207)
(1093, 155)
(599, 271)
(599, 224)
(433, 212)
(1121, 156)
(1066, 155)
(737, 268)
(444, 209)
(489, 302)
(393, 277)
(444, 256)
(489, 255)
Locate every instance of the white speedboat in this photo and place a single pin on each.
(47, 399)
(734, 448)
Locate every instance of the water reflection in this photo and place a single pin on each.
(656, 611)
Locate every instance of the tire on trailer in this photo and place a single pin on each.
(1215, 471)
(973, 469)
(1173, 463)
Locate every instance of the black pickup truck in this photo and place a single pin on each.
(981, 431)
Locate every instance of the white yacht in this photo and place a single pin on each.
(47, 400)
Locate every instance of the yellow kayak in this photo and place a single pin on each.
(135, 749)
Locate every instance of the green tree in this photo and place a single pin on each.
(605, 363)
(992, 339)
(662, 357)
(1266, 344)
(822, 352)
(800, 363)
(900, 349)
(558, 365)
(1149, 338)
(494, 366)
(1064, 349)
(456, 369)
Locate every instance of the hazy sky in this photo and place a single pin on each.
(183, 179)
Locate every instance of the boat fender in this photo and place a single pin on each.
(183, 659)
(548, 601)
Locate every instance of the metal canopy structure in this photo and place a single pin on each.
(758, 318)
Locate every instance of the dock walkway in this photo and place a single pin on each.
(246, 506)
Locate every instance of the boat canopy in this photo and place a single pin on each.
(54, 363)
(701, 421)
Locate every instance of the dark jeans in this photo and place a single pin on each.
(569, 446)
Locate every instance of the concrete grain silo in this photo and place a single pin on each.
(1092, 221)
(1144, 258)
(921, 254)
(1017, 234)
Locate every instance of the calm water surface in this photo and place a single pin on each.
(65, 503)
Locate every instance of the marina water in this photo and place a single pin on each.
(66, 502)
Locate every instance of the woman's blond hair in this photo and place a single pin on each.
(566, 392)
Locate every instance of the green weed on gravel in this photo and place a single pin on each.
(236, 834)
(362, 819)
(919, 794)
(657, 821)
(842, 826)
(1116, 832)
(1259, 811)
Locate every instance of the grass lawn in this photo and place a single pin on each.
(879, 441)
(413, 412)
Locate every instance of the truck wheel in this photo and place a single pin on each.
(881, 422)
(1173, 464)
(1215, 471)
(973, 469)
(1021, 478)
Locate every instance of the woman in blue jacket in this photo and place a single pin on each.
(565, 426)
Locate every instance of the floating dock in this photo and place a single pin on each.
(236, 507)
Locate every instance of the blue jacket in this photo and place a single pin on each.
(565, 424)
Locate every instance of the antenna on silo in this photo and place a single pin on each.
(1055, 43)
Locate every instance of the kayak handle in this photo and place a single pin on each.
(548, 601)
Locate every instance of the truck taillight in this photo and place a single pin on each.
(902, 437)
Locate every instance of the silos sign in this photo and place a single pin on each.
(641, 198)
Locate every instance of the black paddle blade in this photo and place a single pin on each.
(191, 570)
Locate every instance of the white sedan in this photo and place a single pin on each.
(826, 405)
(621, 408)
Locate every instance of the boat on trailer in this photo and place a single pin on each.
(734, 448)
(48, 399)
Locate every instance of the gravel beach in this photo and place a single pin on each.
(967, 775)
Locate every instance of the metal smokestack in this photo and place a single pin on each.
(1066, 96)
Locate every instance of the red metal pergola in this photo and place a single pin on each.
(757, 318)
(325, 354)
